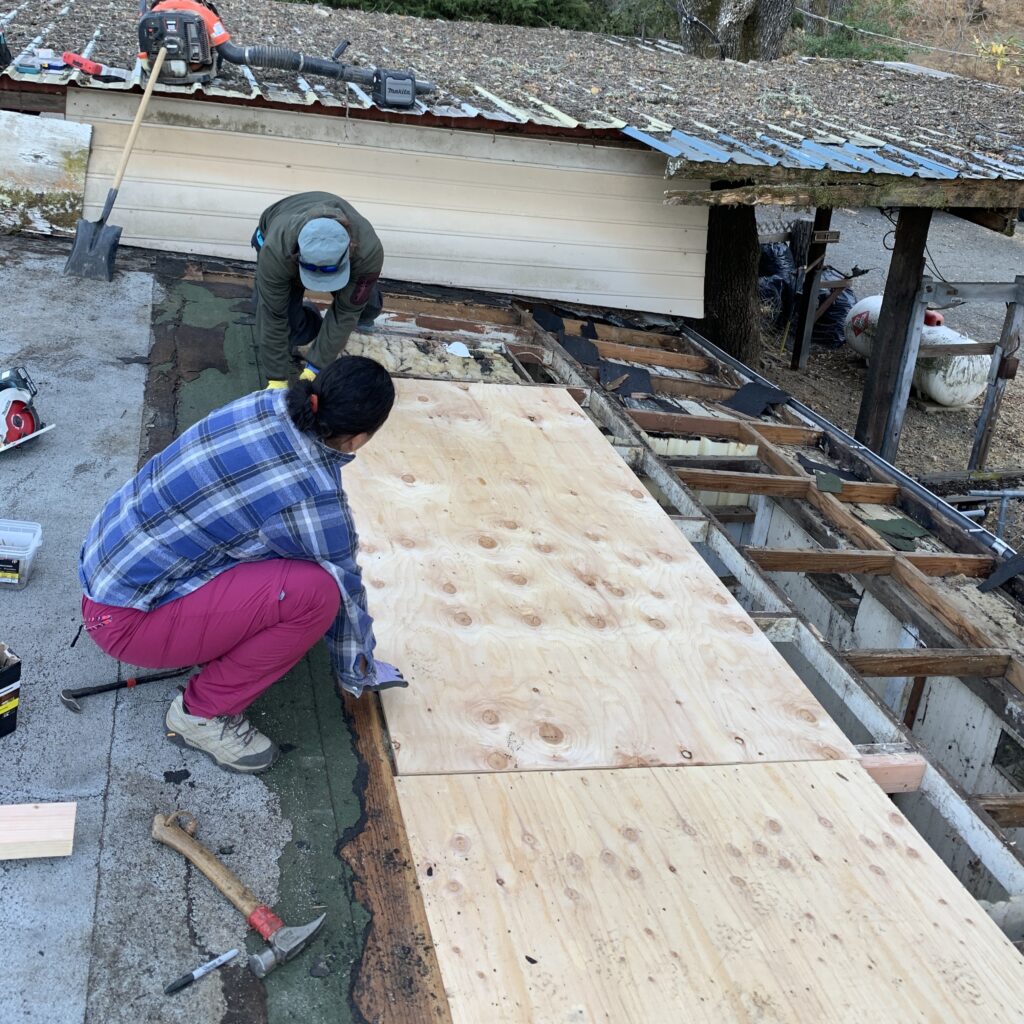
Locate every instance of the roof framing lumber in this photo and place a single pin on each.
(928, 661)
(785, 486)
(713, 426)
(654, 356)
(1006, 809)
(896, 767)
(879, 563)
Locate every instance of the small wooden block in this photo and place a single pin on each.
(36, 830)
(896, 767)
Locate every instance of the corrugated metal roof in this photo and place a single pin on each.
(804, 143)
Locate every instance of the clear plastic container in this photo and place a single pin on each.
(19, 543)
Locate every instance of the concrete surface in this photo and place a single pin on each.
(94, 937)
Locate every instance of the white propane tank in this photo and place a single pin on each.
(946, 380)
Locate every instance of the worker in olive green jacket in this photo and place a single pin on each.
(314, 241)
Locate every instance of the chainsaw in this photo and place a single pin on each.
(197, 44)
(19, 420)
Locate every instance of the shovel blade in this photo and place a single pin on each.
(92, 255)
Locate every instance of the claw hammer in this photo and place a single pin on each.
(283, 942)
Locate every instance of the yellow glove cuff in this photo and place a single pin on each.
(276, 385)
(307, 374)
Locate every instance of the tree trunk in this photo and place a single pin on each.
(745, 29)
(732, 313)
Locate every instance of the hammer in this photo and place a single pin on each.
(283, 943)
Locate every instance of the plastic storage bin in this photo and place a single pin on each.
(19, 543)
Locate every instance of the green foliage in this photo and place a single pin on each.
(578, 14)
(886, 17)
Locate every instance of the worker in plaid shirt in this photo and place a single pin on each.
(234, 549)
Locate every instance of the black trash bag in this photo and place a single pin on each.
(775, 295)
(776, 261)
(829, 329)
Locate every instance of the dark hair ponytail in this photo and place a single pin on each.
(352, 395)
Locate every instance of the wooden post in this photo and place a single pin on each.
(897, 339)
(807, 304)
(1004, 367)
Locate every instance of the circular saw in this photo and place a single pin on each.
(19, 419)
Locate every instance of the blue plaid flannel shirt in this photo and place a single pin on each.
(242, 485)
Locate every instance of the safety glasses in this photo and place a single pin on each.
(315, 268)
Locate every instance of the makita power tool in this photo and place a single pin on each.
(197, 43)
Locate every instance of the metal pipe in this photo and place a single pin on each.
(932, 501)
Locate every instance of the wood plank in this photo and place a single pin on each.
(930, 661)
(627, 336)
(896, 767)
(733, 513)
(686, 425)
(868, 492)
(516, 566)
(36, 830)
(691, 388)
(792, 892)
(744, 483)
(975, 348)
(397, 980)
(1006, 808)
(879, 563)
(655, 357)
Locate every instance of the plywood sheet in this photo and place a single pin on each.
(545, 609)
(779, 894)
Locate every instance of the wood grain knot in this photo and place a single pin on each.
(657, 594)
(733, 850)
(571, 894)
(663, 556)
(687, 827)
(529, 839)
(590, 581)
(656, 624)
(633, 874)
(377, 583)
(617, 591)
(608, 858)
(519, 579)
(774, 826)
(461, 843)
(825, 823)
(490, 717)
(687, 755)
(806, 715)
(591, 535)
(746, 627)
(453, 886)
(500, 881)
(422, 398)
(498, 760)
(481, 481)
(875, 869)
(450, 588)
(408, 478)
(407, 542)
(740, 883)
(760, 849)
(913, 853)
(550, 733)
(596, 621)
(487, 542)
(463, 619)
(888, 840)
(719, 598)
(785, 864)
(532, 620)
(545, 548)
(631, 835)
(510, 524)
(897, 819)
(575, 861)
(637, 493)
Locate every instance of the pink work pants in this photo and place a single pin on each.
(246, 628)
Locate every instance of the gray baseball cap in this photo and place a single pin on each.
(324, 264)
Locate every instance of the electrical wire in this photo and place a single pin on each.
(894, 39)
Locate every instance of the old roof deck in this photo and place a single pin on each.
(801, 120)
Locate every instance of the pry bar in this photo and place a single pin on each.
(69, 698)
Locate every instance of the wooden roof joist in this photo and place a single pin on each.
(923, 661)
(873, 190)
(876, 563)
(782, 486)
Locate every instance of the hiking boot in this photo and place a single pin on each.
(231, 740)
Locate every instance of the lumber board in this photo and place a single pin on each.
(879, 563)
(714, 426)
(655, 357)
(896, 767)
(629, 336)
(36, 830)
(681, 388)
(791, 893)
(744, 483)
(397, 979)
(545, 609)
(1007, 809)
(930, 661)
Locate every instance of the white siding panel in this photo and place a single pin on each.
(576, 222)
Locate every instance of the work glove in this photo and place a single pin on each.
(309, 373)
(276, 385)
(386, 676)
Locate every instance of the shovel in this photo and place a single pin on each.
(95, 247)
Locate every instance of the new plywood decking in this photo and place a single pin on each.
(782, 894)
(546, 611)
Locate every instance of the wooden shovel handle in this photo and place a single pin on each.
(166, 830)
(139, 114)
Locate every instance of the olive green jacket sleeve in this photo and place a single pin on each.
(276, 276)
(343, 315)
